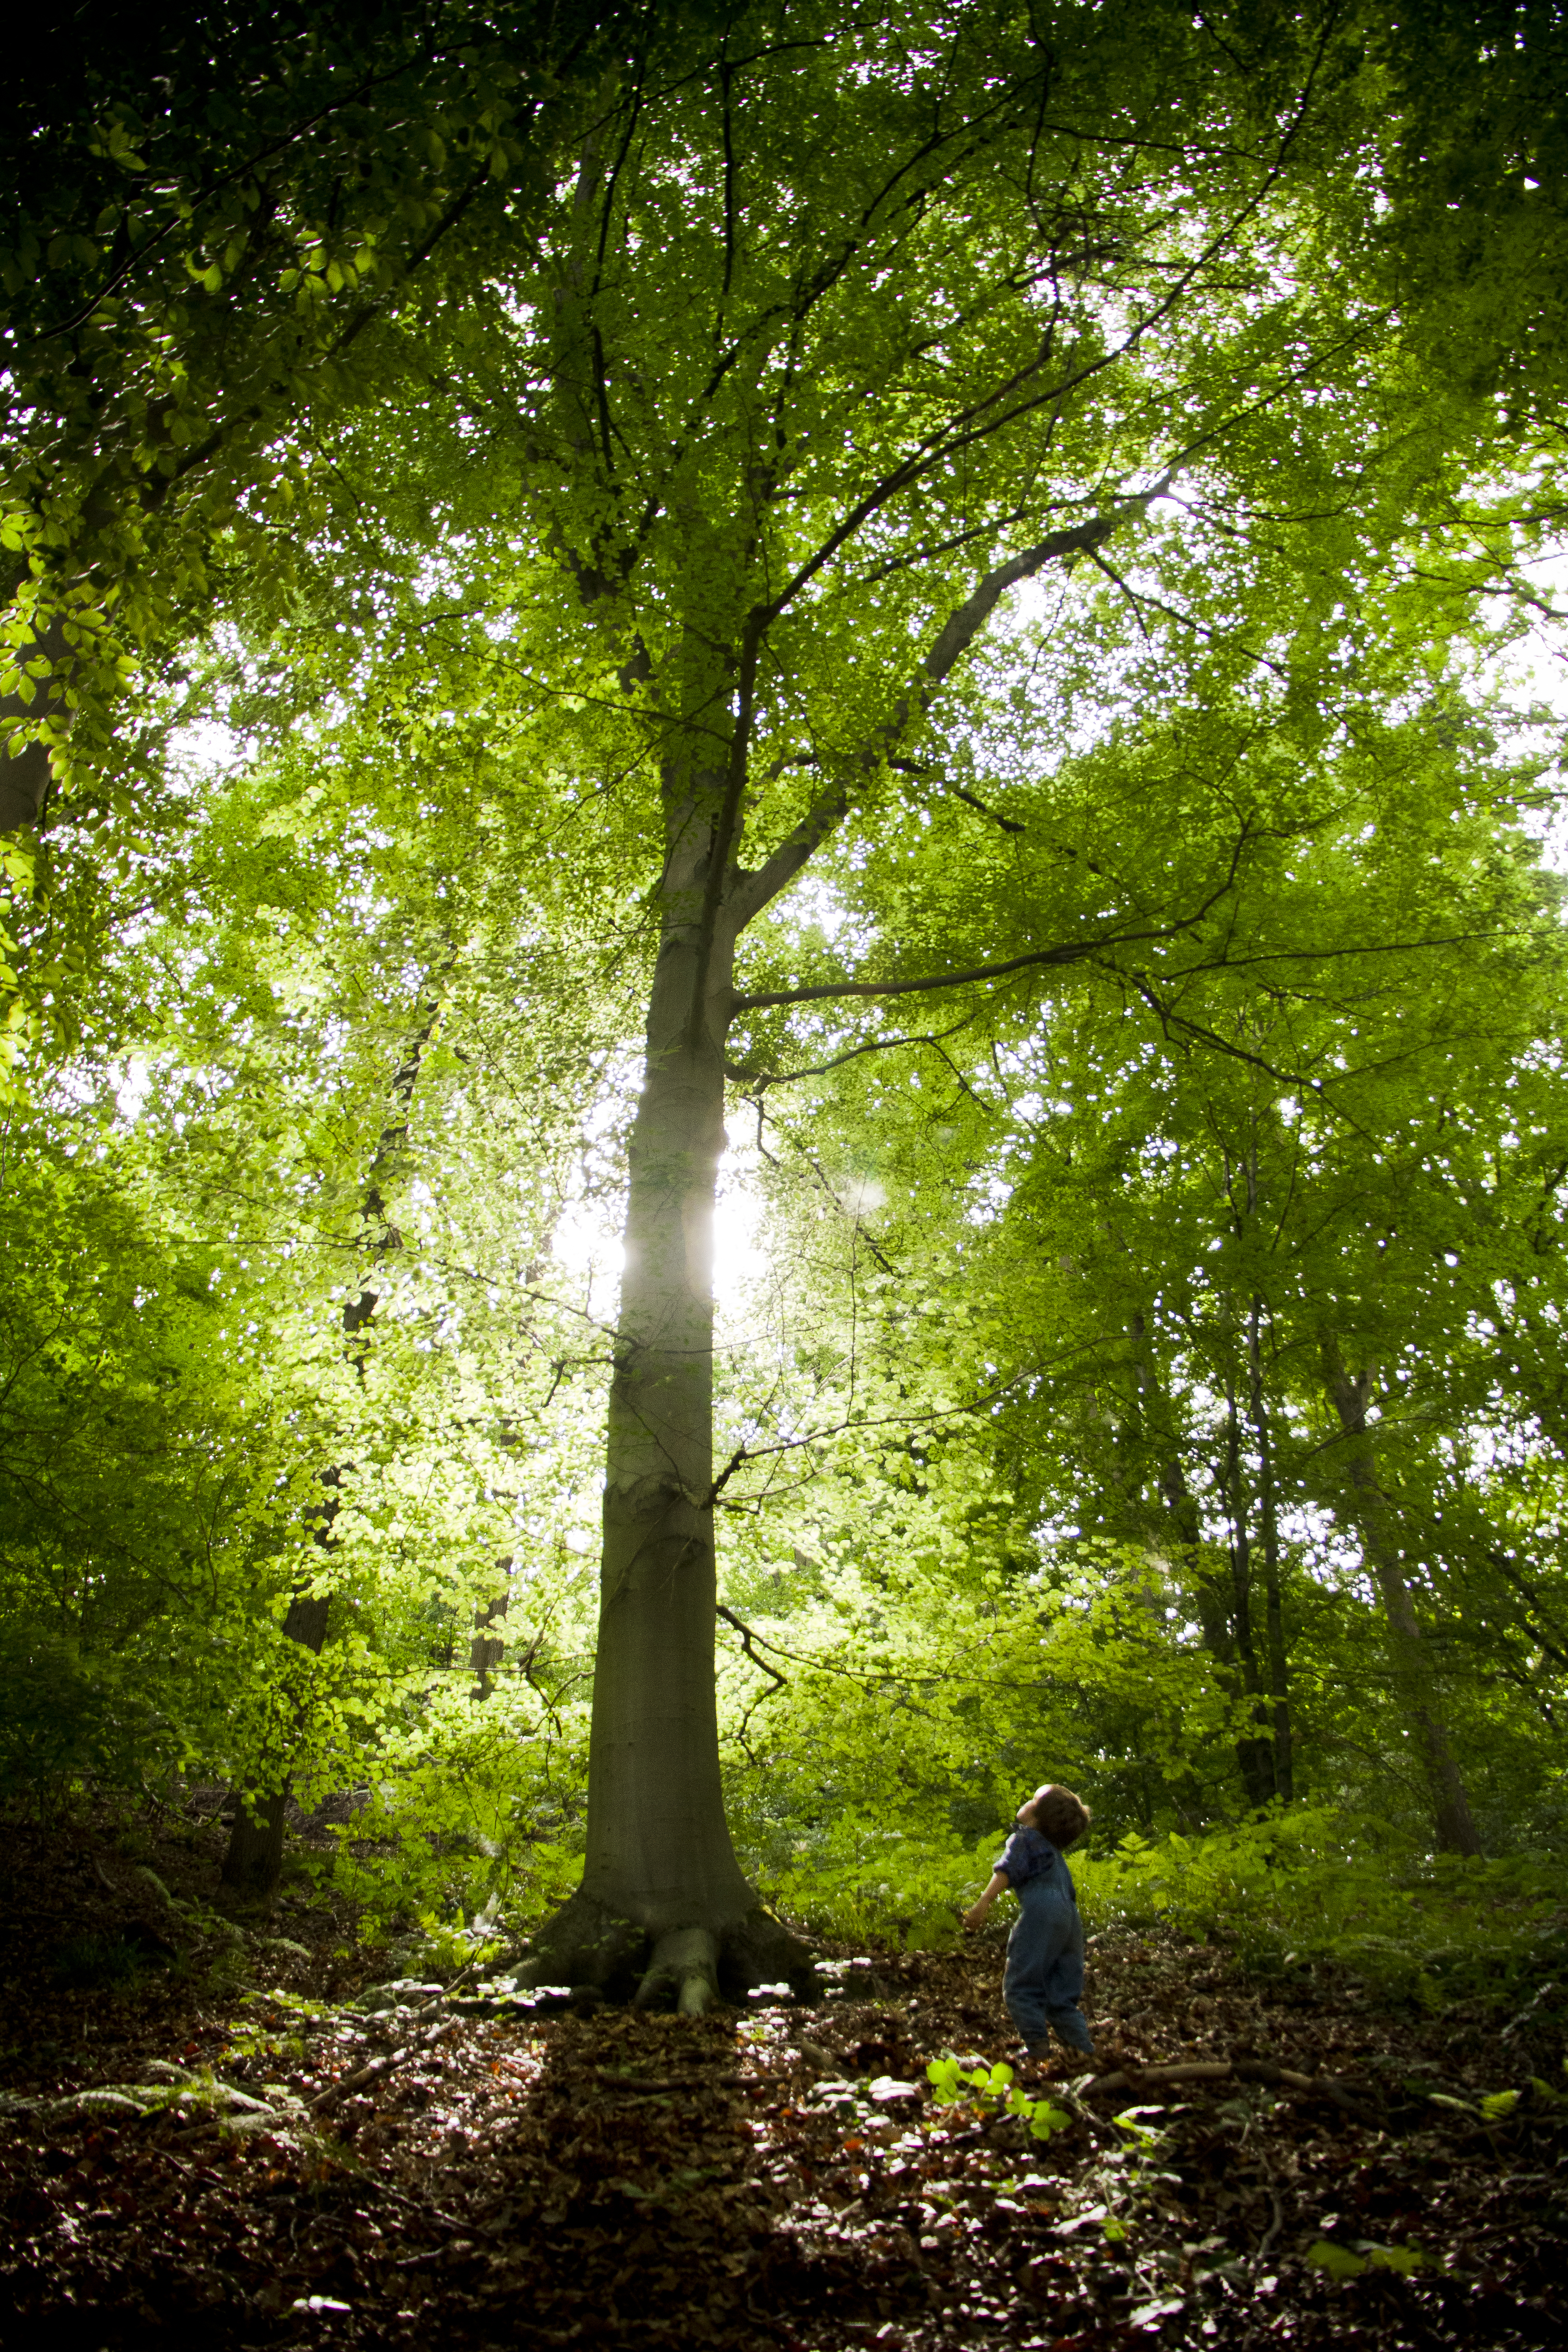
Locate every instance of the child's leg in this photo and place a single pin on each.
(1072, 2028)
(1063, 1989)
(1023, 1985)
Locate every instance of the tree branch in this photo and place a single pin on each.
(750, 892)
(763, 1079)
(747, 1638)
(1072, 951)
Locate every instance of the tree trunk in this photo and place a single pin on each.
(661, 1885)
(1253, 1753)
(1225, 1619)
(1269, 1520)
(1408, 1653)
(487, 1650)
(1220, 1617)
(253, 1862)
(660, 1849)
(1216, 1617)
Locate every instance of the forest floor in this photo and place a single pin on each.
(190, 2157)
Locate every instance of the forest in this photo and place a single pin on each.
(782, 984)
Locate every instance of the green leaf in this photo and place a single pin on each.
(1337, 2260)
(1402, 2259)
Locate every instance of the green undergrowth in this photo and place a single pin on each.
(1308, 1894)
(468, 1830)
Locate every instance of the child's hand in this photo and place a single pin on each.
(976, 1916)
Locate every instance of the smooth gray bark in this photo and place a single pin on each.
(1255, 1754)
(1273, 1596)
(25, 774)
(658, 1844)
(487, 1650)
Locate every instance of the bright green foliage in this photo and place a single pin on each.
(220, 235)
(952, 2081)
(1337, 1125)
(539, 416)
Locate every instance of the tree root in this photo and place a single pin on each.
(586, 1946)
(759, 1949)
(684, 1970)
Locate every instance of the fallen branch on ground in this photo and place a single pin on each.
(380, 2067)
(1218, 2069)
(615, 2081)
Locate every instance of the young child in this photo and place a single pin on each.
(1044, 1983)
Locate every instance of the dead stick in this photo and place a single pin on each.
(377, 2067)
(676, 2082)
(380, 2067)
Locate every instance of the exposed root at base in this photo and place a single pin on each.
(589, 1948)
(685, 1964)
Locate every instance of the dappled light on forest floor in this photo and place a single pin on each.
(185, 2163)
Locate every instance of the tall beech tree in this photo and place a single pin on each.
(843, 327)
(690, 513)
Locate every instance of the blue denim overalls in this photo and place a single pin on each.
(1043, 1987)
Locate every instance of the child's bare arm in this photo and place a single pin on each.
(975, 1915)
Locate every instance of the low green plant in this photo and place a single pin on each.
(951, 2081)
(1348, 2262)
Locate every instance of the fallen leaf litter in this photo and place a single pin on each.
(290, 2169)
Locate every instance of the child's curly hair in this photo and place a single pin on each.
(1059, 1814)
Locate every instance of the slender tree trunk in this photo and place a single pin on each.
(253, 1862)
(1409, 1653)
(1268, 1522)
(1254, 1754)
(1214, 1605)
(487, 1650)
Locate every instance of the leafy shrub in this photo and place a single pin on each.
(1310, 1890)
(856, 1879)
(470, 1823)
